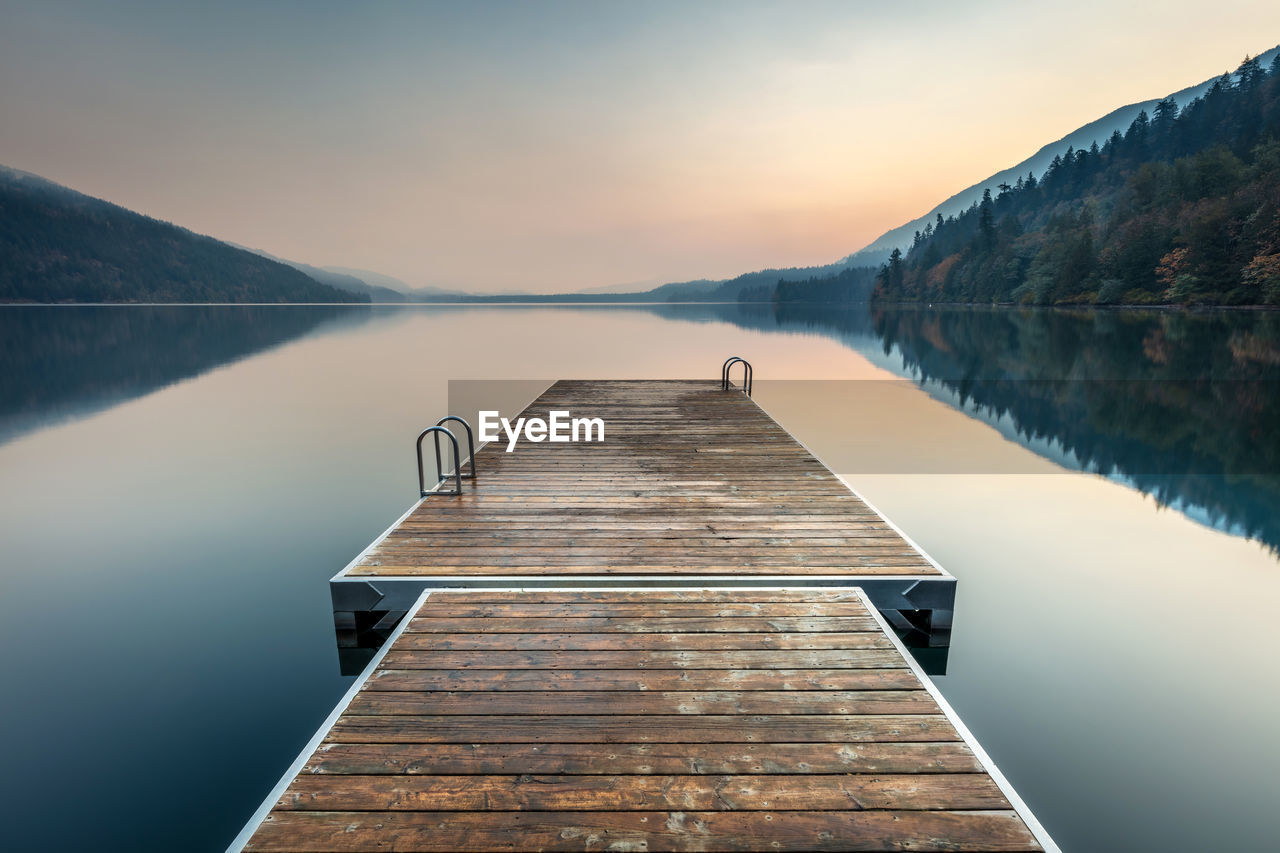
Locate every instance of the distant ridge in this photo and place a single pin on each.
(59, 245)
(351, 283)
(374, 279)
(877, 252)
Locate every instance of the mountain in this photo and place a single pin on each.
(829, 283)
(335, 278)
(1182, 208)
(374, 279)
(349, 283)
(754, 286)
(877, 252)
(633, 287)
(58, 245)
(404, 291)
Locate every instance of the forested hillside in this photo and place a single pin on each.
(58, 245)
(1183, 208)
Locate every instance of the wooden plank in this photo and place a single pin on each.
(674, 554)
(367, 759)
(639, 625)
(526, 792)
(889, 678)
(522, 703)
(493, 612)
(665, 551)
(640, 570)
(649, 640)
(643, 728)
(403, 657)
(648, 831)
(792, 562)
(661, 528)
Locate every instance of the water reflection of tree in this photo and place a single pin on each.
(1183, 405)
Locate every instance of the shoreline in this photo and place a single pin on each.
(544, 303)
(1014, 306)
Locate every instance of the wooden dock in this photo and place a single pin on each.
(693, 486)
(653, 719)
(684, 637)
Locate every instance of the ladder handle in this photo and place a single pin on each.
(747, 374)
(471, 445)
(440, 475)
(724, 370)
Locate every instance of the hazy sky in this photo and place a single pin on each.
(556, 146)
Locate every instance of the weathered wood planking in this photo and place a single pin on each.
(690, 481)
(586, 721)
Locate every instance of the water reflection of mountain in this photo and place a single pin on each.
(1181, 405)
(68, 361)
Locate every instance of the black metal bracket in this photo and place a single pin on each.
(440, 475)
(726, 383)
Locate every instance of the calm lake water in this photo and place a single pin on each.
(178, 484)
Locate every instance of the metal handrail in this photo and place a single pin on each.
(724, 371)
(440, 475)
(727, 367)
(471, 445)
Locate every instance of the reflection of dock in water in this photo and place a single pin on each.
(684, 637)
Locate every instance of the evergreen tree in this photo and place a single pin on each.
(1250, 75)
(986, 221)
(1166, 112)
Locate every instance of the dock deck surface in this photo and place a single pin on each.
(692, 486)
(690, 480)
(654, 719)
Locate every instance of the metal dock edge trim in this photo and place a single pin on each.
(1024, 811)
(313, 743)
(396, 592)
(799, 582)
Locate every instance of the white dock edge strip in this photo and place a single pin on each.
(674, 581)
(1023, 810)
(313, 744)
